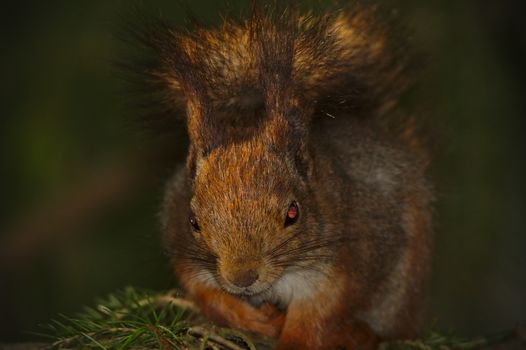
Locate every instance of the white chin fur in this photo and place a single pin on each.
(292, 286)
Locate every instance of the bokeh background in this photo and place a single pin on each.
(80, 183)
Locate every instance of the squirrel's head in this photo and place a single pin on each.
(250, 203)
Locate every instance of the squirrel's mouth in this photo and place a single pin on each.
(257, 288)
(248, 279)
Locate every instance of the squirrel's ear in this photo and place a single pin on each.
(186, 76)
(274, 40)
(177, 69)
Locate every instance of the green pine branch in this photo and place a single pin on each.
(134, 319)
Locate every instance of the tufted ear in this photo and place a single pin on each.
(288, 113)
(184, 73)
(177, 72)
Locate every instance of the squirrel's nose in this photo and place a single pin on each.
(243, 278)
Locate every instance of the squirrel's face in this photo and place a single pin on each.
(249, 211)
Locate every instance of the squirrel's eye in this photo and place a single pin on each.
(193, 222)
(292, 214)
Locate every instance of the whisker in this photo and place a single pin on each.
(310, 246)
(284, 242)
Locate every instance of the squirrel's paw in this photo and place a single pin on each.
(266, 320)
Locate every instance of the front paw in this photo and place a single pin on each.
(275, 318)
(266, 320)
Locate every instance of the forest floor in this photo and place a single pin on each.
(133, 319)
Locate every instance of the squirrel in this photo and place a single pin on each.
(303, 212)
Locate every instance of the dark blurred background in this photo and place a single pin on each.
(80, 184)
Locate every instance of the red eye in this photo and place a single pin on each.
(292, 214)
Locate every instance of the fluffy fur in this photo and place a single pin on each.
(287, 107)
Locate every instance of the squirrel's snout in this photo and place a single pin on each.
(242, 277)
(241, 274)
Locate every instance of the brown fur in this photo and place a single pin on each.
(287, 107)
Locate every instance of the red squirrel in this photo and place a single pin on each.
(303, 211)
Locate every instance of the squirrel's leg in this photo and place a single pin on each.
(223, 308)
